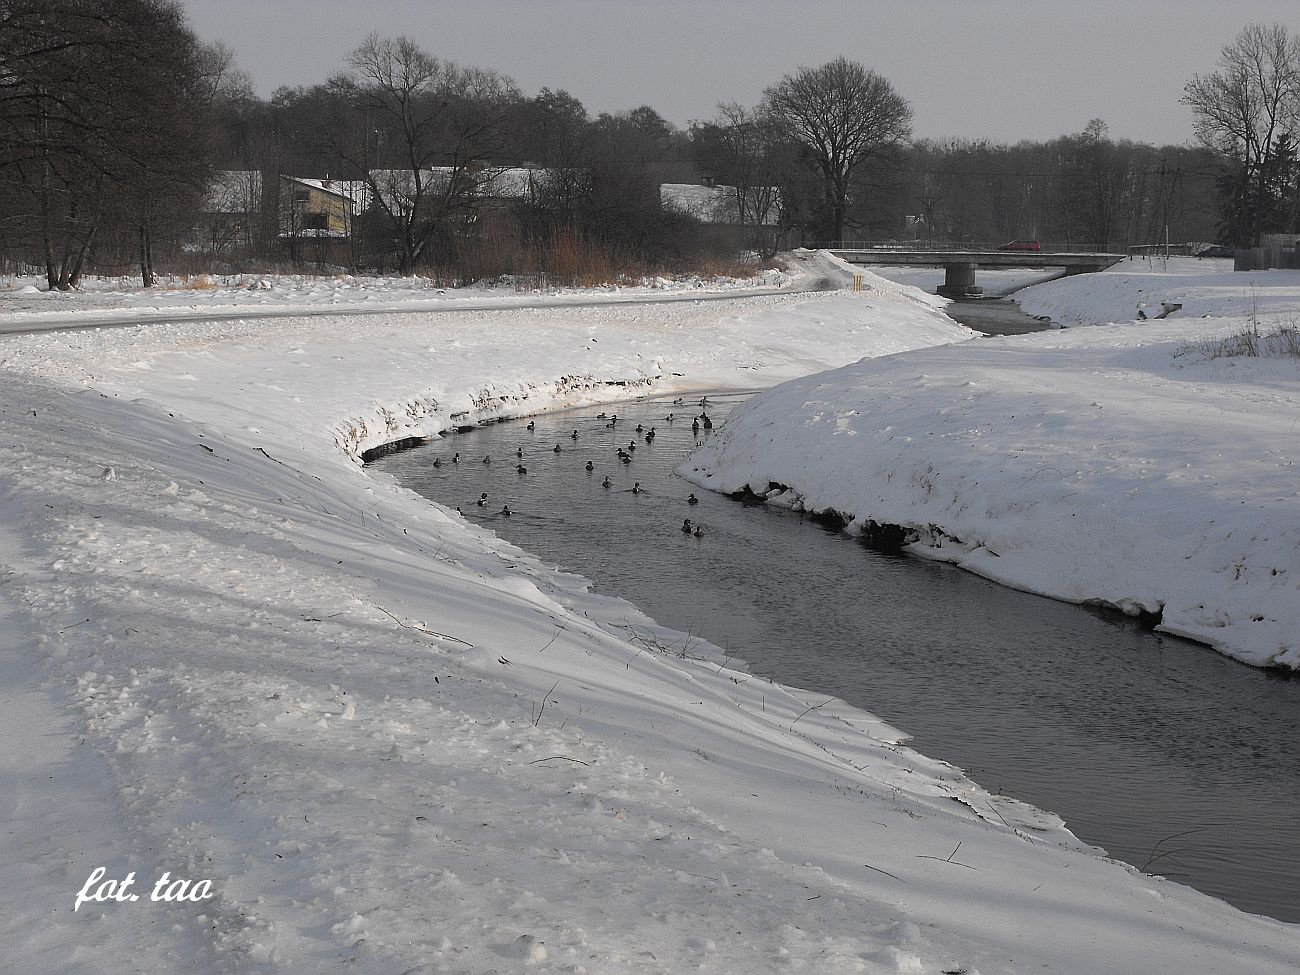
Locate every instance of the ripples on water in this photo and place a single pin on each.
(1131, 737)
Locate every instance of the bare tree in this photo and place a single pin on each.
(434, 123)
(843, 115)
(1105, 182)
(745, 149)
(102, 125)
(221, 77)
(1244, 108)
(556, 132)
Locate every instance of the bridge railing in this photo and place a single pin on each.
(929, 245)
(1045, 247)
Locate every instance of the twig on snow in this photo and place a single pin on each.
(576, 761)
(813, 708)
(421, 629)
(885, 872)
(542, 709)
(949, 859)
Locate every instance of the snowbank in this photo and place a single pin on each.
(1202, 287)
(1114, 465)
(393, 741)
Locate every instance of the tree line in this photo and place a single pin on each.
(116, 122)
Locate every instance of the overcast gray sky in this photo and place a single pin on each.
(1001, 69)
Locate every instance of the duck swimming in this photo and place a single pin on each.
(708, 424)
(699, 532)
(437, 462)
(482, 499)
(556, 450)
(521, 469)
(505, 510)
(590, 467)
(456, 459)
(532, 425)
(638, 428)
(574, 435)
(692, 500)
(636, 487)
(650, 437)
(686, 526)
(605, 483)
(519, 452)
(487, 459)
(670, 417)
(695, 425)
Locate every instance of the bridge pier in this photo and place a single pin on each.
(959, 282)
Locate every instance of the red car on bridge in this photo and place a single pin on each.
(1022, 245)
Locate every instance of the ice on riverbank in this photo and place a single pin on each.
(392, 740)
(1121, 464)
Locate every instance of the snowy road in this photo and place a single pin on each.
(91, 320)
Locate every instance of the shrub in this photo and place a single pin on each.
(1252, 342)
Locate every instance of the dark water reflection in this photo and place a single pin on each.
(1130, 737)
(994, 316)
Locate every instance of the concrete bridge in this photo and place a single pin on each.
(960, 265)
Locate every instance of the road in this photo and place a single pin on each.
(153, 317)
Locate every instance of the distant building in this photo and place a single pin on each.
(231, 211)
(318, 208)
(1274, 250)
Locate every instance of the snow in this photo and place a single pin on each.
(394, 742)
(1205, 287)
(1117, 464)
(718, 204)
(24, 307)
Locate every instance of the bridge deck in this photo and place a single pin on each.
(944, 258)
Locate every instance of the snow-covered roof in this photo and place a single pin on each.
(712, 204)
(513, 183)
(396, 186)
(234, 191)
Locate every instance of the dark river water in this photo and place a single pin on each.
(997, 316)
(1165, 753)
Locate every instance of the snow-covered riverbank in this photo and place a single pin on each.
(1122, 464)
(392, 741)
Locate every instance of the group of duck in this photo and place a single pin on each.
(624, 455)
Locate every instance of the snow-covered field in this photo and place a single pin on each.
(1121, 464)
(393, 743)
